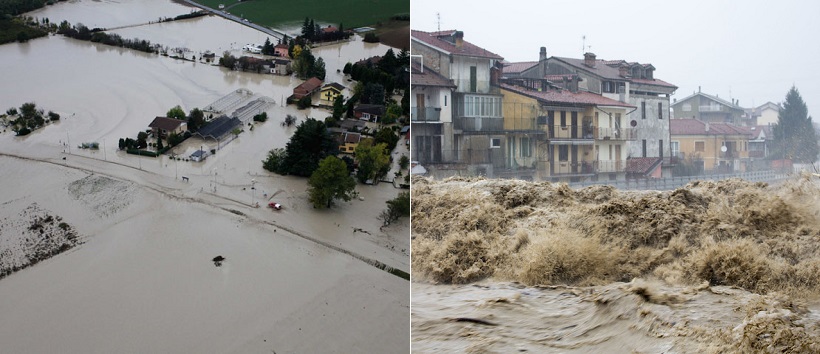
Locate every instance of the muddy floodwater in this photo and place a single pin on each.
(132, 270)
(504, 265)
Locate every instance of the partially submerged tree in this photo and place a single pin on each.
(396, 208)
(330, 181)
(176, 113)
(196, 119)
(309, 144)
(374, 161)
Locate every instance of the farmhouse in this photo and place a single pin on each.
(331, 91)
(368, 112)
(306, 88)
(163, 126)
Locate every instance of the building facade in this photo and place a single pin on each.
(716, 147)
(627, 82)
(708, 108)
(477, 123)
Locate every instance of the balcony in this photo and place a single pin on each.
(425, 114)
(573, 168)
(713, 108)
(757, 154)
(571, 132)
(730, 154)
(610, 166)
(478, 124)
(623, 134)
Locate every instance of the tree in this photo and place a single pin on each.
(348, 67)
(392, 114)
(28, 110)
(176, 113)
(196, 119)
(396, 208)
(404, 162)
(309, 144)
(159, 143)
(372, 160)
(318, 69)
(267, 48)
(330, 181)
(141, 140)
(338, 107)
(386, 136)
(275, 160)
(373, 93)
(306, 27)
(794, 134)
(405, 102)
(53, 116)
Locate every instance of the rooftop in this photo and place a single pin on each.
(515, 68)
(610, 69)
(444, 41)
(714, 98)
(166, 123)
(219, 127)
(335, 85)
(427, 77)
(642, 165)
(566, 97)
(691, 126)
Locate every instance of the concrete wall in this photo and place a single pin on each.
(650, 129)
(768, 116)
(460, 73)
(712, 155)
(433, 59)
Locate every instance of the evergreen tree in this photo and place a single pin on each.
(306, 27)
(318, 69)
(338, 107)
(794, 134)
(309, 144)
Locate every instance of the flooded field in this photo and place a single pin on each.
(716, 266)
(143, 269)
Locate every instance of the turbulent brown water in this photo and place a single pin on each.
(728, 266)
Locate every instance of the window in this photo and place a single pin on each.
(675, 146)
(563, 153)
(445, 100)
(526, 151)
(643, 110)
(563, 119)
(482, 106)
(660, 110)
(700, 146)
(687, 107)
(495, 143)
(660, 148)
(473, 78)
(617, 121)
(643, 147)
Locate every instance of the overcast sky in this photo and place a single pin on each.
(753, 50)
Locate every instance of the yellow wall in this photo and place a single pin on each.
(712, 155)
(519, 111)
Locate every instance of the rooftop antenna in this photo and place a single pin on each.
(438, 21)
(583, 44)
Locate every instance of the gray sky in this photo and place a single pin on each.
(751, 50)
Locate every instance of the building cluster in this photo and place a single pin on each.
(567, 119)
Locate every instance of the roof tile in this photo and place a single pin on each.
(466, 49)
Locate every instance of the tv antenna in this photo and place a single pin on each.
(584, 46)
(438, 21)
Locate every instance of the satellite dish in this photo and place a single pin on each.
(723, 148)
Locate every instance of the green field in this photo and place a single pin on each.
(288, 13)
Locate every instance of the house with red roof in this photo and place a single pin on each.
(714, 147)
(629, 82)
(468, 88)
(307, 88)
(563, 135)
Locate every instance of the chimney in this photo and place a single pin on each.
(459, 38)
(543, 55)
(575, 81)
(698, 89)
(542, 62)
(623, 70)
(589, 59)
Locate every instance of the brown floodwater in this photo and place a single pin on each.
(505, 265)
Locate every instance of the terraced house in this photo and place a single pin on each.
(560, 134)
(630, 83)
(469, 93)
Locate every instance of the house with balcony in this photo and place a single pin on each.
(716, 147)
(475, 103)
(565, 135)
(708, 108)
(431, 115)
(627, 82)
(765, 114)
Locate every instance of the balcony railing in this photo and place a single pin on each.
(609, 166)
(571, 132)
(730, 154)
(475, 124)
(757, 154)
(710, 108)
(617, 134)
(425, 114)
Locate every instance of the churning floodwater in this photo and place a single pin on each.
(728, 266)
